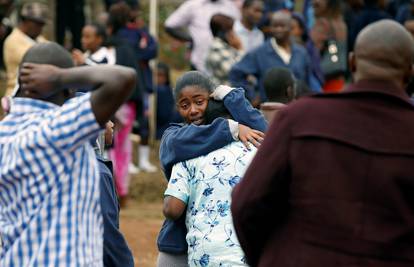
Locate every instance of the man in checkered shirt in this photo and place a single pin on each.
(50, 211)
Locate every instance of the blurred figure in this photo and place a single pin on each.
(409, 26)
(225, 50)
(145, 47)
(190, 23)
(270, 7)
(280, 87)
(32, 18)
(166, 111)
(6, 6)
(93, 40)
(116, 252)
(405, 12)
(246, 28)
(125, 55)
(351, 11)
(329, 193)
(279, 51)
(329, 34)
(300, 34)
(373, 10)
(70, 15)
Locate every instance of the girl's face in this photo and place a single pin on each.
(192, 103)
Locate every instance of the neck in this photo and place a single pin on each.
(283, 43)
(246, 24)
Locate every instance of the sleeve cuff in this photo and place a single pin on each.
(221, 91)
(234, 129)
(180, 195)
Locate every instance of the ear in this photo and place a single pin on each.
(290, 93)
(352, 65)
(408, 74)
(352, 62)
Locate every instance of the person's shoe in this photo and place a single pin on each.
(146, 166)
(132, 169)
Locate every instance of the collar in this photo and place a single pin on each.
(27, 37)
(22, 105)
(379, 87)
(269, 47)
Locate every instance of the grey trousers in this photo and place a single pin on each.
(171, 260)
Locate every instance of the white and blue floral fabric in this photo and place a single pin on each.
(205, 184)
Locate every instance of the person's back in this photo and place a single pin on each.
(205, 184)
(341, 177)
(49, 184)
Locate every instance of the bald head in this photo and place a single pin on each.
(281, 16)
(52, 54)
(48, 53)
(383, 51)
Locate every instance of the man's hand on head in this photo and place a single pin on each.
(39, 80)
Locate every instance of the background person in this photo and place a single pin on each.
(190, 23)
(32, 18)
(225, 49)
(246, 28)
(278, 51)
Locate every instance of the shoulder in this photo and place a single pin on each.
(299, 49)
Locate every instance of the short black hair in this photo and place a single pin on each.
(48, 53)
(215, 109)
(118, 16)
(220, 24)
(249, 3)
(193, 78)
(99, 29)
(276, 82)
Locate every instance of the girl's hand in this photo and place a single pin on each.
(247, 134)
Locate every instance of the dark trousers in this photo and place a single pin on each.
(69, 15)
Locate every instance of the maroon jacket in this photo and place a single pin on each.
(333, 183)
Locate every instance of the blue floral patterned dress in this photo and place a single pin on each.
(205, 184)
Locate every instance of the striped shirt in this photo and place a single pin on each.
(49, 189)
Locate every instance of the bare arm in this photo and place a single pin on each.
(173, 207)
(113, 84)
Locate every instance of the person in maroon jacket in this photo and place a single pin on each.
(333, 182)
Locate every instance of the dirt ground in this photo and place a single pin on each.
(141, 219)
(140, 224)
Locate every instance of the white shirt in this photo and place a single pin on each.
(250, 39)
(205, 184)
(196, 15)
(284, 54)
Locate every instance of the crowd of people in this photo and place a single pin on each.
(288, 143)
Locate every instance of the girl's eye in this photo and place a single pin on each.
(200, 102)
(184, 106)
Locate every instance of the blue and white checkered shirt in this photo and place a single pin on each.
(50, 212)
